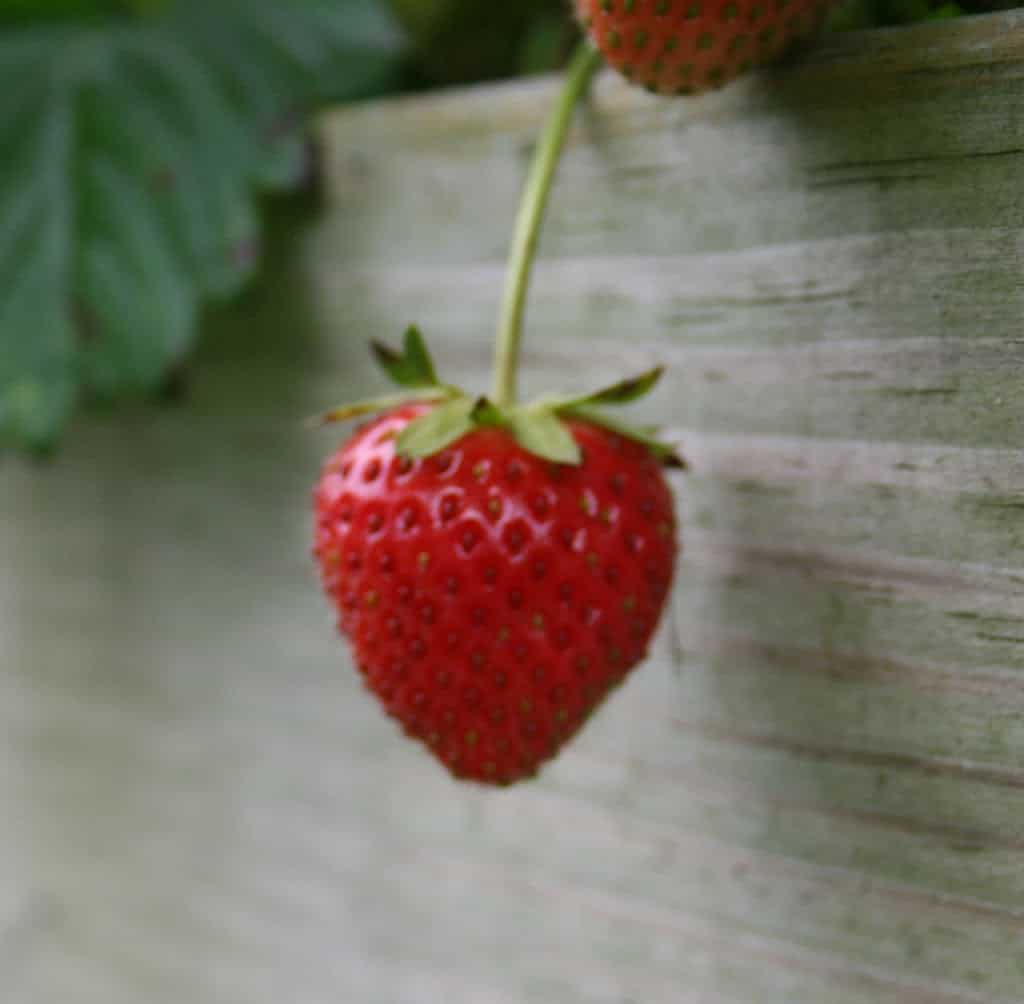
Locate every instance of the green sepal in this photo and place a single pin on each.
(624, 392)
(587, 407)
(412, 367)
(540, 427)
(539, 430)
(487, 413)
(424, 395)
(647, 437)
(440, 427)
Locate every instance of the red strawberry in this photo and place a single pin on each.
(493, 597)
(688, 46)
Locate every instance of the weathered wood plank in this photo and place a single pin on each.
(814, 791)
(839, 302)
(803, 293)
(806, 163)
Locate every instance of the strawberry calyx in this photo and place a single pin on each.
(538, 426)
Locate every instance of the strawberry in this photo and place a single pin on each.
(497, 567)
(688, 46)
(497, 573)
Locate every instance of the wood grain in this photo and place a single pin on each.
(813, 793)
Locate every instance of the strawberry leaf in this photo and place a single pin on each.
(439, 428)
(539, 430)
(132, 154)
(412, 367)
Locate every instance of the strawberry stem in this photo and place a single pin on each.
(528, 223)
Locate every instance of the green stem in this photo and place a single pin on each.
(528, 223)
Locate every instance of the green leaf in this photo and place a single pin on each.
(34, 10)
(412, 367)
(132, 154)
(540, 431)
(438, 428)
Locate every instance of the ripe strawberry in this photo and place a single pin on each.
(493, 597)
(688, 46)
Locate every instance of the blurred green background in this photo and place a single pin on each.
(139, 135)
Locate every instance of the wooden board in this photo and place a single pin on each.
(813, 793)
